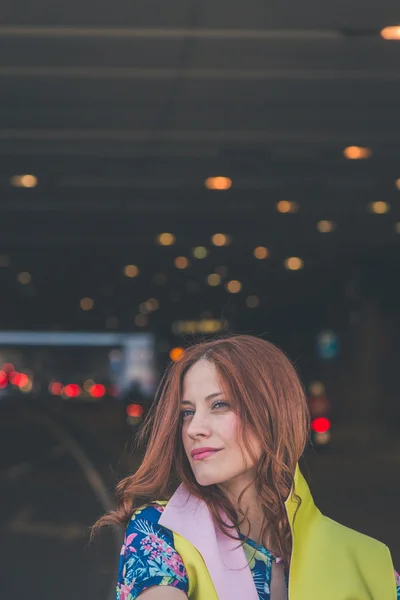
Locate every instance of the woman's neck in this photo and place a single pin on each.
(255, 523)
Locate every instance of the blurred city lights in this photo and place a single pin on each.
(19, 379)
(234, 286)
(8, 368)
(320, 425)
(24, 277)
(141, 320)
(218, 183)
(397, 184)
(322, 438)
(357, 152)
(25, 181)
(261, 252)
(97, 390)
(166, 239)
(72, 390)
(88, 384)
(135, 410)
(176, 354)
(206, 325)
(181, 262)
(325, 226)
(379, 207)
(86, 304)
(56, 388)
(27, 387)
(3, 380)
(391, 33)
(143, 308)
(294, 263)
(316, 388)
(220, 239)
(252, 301)
(200, 252)
(214, 279)
(152, 304)
(131, 271)
(397, 227)
(284, 206)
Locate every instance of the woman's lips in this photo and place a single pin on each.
(203, 455)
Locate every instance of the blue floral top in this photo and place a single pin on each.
(148, 558)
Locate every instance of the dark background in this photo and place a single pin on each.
(121, 112)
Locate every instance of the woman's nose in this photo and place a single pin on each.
(198, 426)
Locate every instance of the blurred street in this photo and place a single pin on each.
(51, 495)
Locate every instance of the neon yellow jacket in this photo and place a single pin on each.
(329, 561)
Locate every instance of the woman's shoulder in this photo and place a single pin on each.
(149, 512)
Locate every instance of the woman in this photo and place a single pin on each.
(227, 513)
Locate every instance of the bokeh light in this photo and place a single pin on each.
(293, 263)
(234, 286)
(131, 271)
(86, 303)
(176, 354)
(357, 152)
(200, 252)
(166, 239)
(181, 262)
(261, 252)
(218, 183)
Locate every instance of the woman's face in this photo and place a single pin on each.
(209, 422)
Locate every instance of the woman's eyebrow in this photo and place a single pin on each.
(209, 397)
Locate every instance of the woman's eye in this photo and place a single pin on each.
(220, 404)
(186, 413)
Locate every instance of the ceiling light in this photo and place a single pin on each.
(234, 286)
(24, 278)
(379, 208)
(357, 152)
(25, 181)
(294, 263)
(200, 252)
(284, 206)
(220, 239)
(181, 262)
(391, 33)
(214, 279)
(166, 239)
(252, 301)
(261, 252)
(325, 226)
(218, 183)
(131, 271)
(86, 304)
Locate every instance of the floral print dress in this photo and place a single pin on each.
(148, 558)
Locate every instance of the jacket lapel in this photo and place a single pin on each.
(224, 558)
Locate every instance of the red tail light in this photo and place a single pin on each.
(321, 425)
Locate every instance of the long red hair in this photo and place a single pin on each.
(268, 397)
